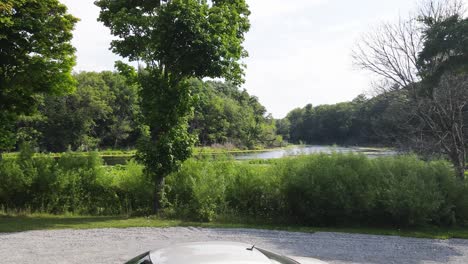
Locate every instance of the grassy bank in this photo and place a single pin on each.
(314, 190)
(11, 224)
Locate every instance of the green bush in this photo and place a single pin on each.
(131, 189)
(77, 184)
(321, 190)
(255, 191)
(197, 191)
(337, 189)
(342, 189)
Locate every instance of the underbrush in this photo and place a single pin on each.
(314, 190)
(321, 190)
(74, 184)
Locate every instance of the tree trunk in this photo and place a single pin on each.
(460, 164)
(461, 169)
(461, 173)
(158, 194)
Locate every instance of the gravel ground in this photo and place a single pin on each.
(119, 245)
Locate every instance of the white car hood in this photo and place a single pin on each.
(304, 260)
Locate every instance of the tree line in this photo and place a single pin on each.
(362, 121)
(104, 113)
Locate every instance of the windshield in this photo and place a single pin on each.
(277, 259)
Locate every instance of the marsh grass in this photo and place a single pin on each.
(311, 190)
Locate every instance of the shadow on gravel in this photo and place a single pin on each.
(12, 224)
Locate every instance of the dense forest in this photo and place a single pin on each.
(103, 113)
(362, 121)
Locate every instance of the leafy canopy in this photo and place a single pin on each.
(36, 56)
(177, 40)
(188, 38)
(445, 47)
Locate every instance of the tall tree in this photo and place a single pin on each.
(177, 40)
(36, 57)
(426, 64)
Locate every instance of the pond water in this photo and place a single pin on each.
(306, 150)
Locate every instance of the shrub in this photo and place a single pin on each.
(130, 187)
(320, 190)
(77, 184)
(197, 191)
(255, 191)
(323, 189)
(337, 189)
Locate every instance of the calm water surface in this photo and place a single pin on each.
(305, 150)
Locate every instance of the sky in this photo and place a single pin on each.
(299, 50)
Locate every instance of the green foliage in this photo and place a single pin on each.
(226, 115)
(423, 63)
(197, 191)
(36, 56)
(132, 188)
(320, 190)
(166, 106)
(313, 190)
(323, 189)
(185, 38)
(397, 191)
(7, 128)
(178, 40)
(102, 113)
(77, 184)
(362, 121)
(445, 47)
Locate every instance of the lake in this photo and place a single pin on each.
(305, 150)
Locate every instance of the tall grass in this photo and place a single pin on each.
(324, 190)
(337, 189)
(75, 184)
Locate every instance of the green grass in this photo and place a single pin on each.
(10, 224)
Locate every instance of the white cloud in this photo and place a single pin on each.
(280, 8)
(299, 50)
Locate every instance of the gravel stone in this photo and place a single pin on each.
(119, 245)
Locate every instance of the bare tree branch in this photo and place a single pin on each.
(391, 52)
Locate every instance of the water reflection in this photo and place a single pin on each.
(306, 150)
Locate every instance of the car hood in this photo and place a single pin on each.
(209, 253)
(304, 260)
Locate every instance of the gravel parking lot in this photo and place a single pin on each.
(119, 245)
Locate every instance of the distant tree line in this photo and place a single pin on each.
(362, 121)
(104, 113)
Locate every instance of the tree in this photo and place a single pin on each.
(425, 64)
(36, 57)
(444, 120)
(101, 113)
(392, 51)
(224, 114)
(443, 64)
(177, 40)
